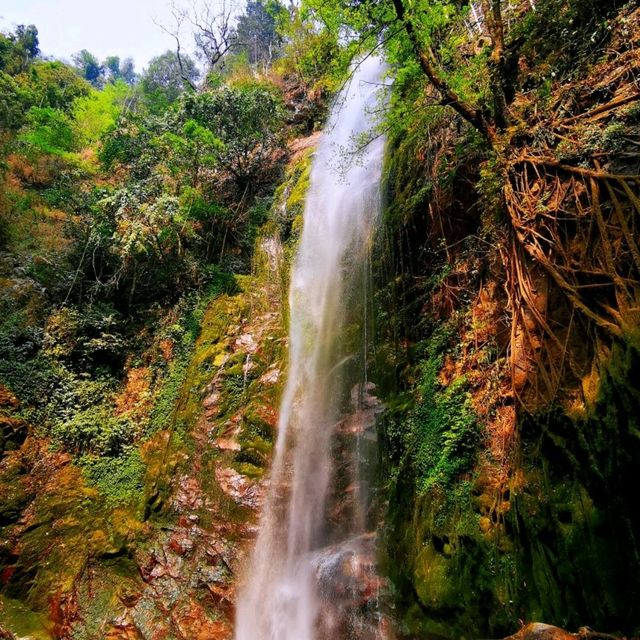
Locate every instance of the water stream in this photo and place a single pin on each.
(310, 576)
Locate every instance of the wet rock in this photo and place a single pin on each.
(6, 635)
(238, 487)
(123, 631)
(189, 494)
(180, 543)
(349, 569)
(193, 622)
(246, 343)
(228, 439)
(271, 376)
(541, 631)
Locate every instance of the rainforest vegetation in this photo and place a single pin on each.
(148, 221)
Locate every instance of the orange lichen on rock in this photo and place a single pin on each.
(136, 396)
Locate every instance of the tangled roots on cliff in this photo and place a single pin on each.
(573, 272)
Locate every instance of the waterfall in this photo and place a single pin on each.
(291, 590)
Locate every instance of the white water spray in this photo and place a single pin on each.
(286, 589)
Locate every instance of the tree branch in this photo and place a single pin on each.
(493, 19)
(179, 17)
(429, 66)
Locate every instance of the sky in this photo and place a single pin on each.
(107, 27)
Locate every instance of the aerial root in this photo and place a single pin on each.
(573, 249)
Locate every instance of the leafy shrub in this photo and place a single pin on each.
(95, 430)
(89, 339)
(119, 479)
(49, 131)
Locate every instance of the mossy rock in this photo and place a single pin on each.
(565, 551)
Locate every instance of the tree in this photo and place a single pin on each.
(247, 122)
(111, 66)
(14, 102)
(116, 69)
(127, 71)
(19, 49)
(26, 38)
(256, 32)
(89, 67)
(423, 33)
(213, 33)
(55, 85)
(166, 78)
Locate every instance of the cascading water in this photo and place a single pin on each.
(314, 520)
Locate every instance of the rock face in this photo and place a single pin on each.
(350, 591)
(189, 569)
(167, 567)
(542, 521)
(540, 631)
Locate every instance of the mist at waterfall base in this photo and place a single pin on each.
(312, 572)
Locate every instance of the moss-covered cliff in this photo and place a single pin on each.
(511, 435)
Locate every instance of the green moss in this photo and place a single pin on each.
(119, 479)
(290, 197)
(551, 556)
(25, 623)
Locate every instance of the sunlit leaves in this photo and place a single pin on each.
(48, 130)
(95, 113)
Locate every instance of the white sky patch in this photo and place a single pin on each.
(124, 28)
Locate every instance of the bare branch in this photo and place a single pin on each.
(214, 33)
(179, 16)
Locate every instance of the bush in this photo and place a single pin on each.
(120, 480)
(95, 430)
(49, 131)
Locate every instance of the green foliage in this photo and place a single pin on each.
(444, 428)
(246, 119)
(164, 80)
(139, 234)
(119, 70)
(94, 430)
(120, 479)
(580, 25)
(437, 439)
(315, 49)
(88, 67)
(22, 368)
(133, 144)
(14, 102)
(48, 130)
(18, 49)
(256, 34)
(190, 151)
(98, 112)
(55, 85)
(87, 339)
(490, 187)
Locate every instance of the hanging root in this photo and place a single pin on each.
(573, 251)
